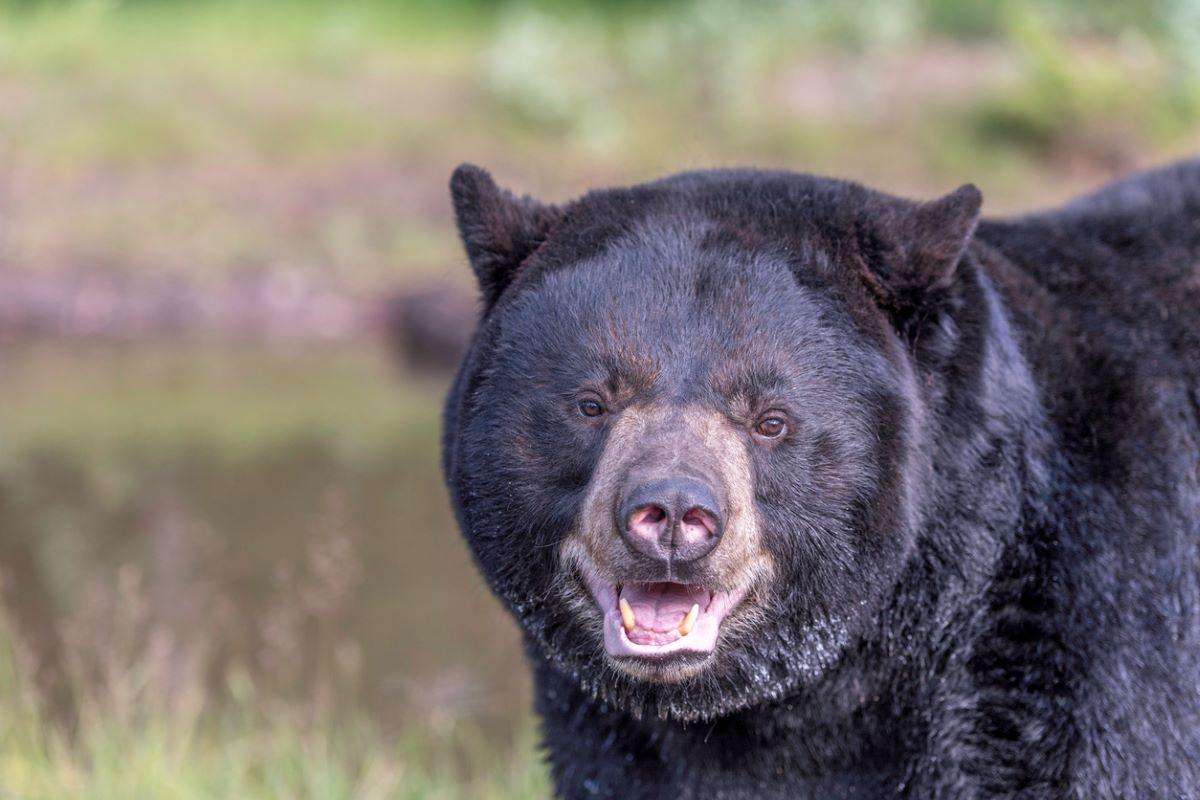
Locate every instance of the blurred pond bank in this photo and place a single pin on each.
(179, 511)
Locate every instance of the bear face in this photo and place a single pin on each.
(687, 445)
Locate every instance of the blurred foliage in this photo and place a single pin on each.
(237, 136)
(577, 73)
(955, 18)
(1066, 98)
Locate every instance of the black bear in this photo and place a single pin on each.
(798, 489)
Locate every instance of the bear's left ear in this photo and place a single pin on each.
(927, 242)
(498, 229)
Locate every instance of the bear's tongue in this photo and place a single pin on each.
(661, 607)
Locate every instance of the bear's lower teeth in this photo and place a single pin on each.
(629, 619)
(689, 621)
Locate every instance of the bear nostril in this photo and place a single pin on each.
(648, 521)
(698, 523)
(653, 514)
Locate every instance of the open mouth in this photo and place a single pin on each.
(658, 620)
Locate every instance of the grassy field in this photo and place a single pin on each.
(244, 574)
(129, 743)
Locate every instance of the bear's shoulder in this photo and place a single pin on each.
(1138, 231)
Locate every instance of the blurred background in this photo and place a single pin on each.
(231, 297)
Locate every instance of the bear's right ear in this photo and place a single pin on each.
(923, 244)
(498, 229)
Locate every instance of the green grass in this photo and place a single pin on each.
(129, 745)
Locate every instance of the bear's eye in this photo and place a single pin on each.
(590, 408)
(771, 427)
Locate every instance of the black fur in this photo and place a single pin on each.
(986, 523)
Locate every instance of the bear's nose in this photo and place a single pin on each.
(673, 520)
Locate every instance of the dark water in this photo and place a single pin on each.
(186, 513)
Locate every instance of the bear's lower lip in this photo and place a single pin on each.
(659, 620)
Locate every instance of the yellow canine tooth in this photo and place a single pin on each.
(627, 617)
(689, 621)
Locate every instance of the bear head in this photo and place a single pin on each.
(689, 444)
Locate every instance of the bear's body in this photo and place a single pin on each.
(1015, 611)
